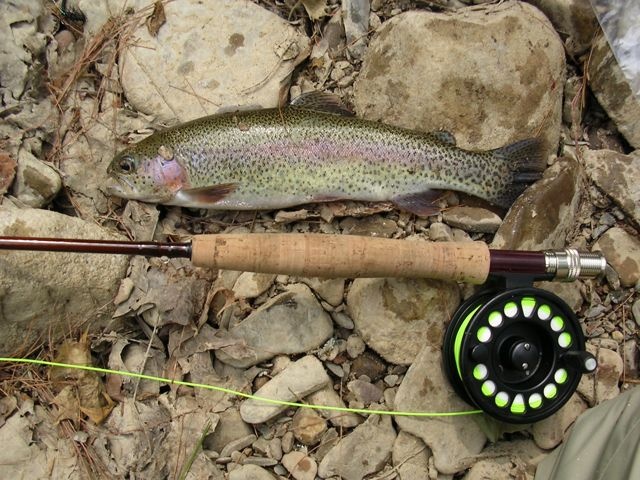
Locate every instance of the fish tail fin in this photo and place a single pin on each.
(524, 163)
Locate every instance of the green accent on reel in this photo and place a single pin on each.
(535, 400)
(488, 388)
(480, 372)
(565, 340)
(528, 304)
(502, 399)
(560, 376)
(511, 309)
(557, 324)
(517, 406)
(544, 312)
(495, 319)
(457, 344)
(550, 391)
(484, 334)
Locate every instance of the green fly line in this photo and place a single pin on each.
(229, 391)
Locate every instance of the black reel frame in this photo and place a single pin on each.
(515, 351)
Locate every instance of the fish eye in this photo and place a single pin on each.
(126, 164)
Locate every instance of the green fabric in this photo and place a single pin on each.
(603, 444)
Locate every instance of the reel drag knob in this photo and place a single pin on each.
(517, 354)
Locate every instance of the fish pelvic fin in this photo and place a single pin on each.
(203, 196)
(524, 161)
(423, 204)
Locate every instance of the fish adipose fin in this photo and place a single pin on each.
(525, 163)
(322, 102)
(422, 204)
(196, 197)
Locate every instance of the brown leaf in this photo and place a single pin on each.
(7, 171)
(156, 19)
(315, 8)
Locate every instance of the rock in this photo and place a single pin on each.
(397, 317)
(355, 346)
(295, 382)
(300, 466)
(373, 226)
(500, 468)
(329, 397)
(250, 472)
(292, 322)
(182, 83)
(355, 14)
(308, 426)
(472, 219)
(330, 289)
(439, 232)
(370, 365)
(237, 445)
(453, 440)
(545, 213)
(622, 252)
(567, 291)
(36, 183)
(548, 433)
(604, 383)
(44, 293)
(612, 90)
(410, 457)
(230, 428)
(635, 309)
(365, 392)
(614, 172)
(631, 358)
(252, 285)
(362, 452)
(574, 18)
(408, 78)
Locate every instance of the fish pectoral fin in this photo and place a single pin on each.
(205, 195)
(422, 204)
(322, 102)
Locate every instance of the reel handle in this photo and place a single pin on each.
(319, 255)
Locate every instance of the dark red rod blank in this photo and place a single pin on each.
(148, 249)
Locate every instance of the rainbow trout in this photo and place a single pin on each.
(310, 151)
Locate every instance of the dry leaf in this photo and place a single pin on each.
(156, 19)
(7, 171)
(315, 8)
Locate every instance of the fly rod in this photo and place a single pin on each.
(320, 255)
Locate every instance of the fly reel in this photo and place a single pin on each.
(517, 354)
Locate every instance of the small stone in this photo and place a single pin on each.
(329, 397)
(604, 383)
(355, 17)
(391, 380)
(373, 226)
(439, 232)
(287, 442)
(250, 472)
(260, 461)
(342, 320)
(308, 426)
(274, 449)
(472, 219)
(631, 359)
(230, 428)
(548, 433)
(329, 439)
(292, 322)
(295, 382)
(362, 452)
(329, 289)
(300, 466)
(355, 346)
(365, 392)
(36, 183)
(252, 285)
(622, 252)
(285, 217)
(370, 365)
(636, 311)
(617, 335)
(237, 445)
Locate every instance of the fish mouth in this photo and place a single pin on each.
(115, 188)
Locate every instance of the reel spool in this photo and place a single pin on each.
(518, 354)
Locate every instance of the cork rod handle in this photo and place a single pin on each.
(336, 256)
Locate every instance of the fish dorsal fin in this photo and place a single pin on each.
(422, 204)
(321, 102)
(444, 137)
(203, 196)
